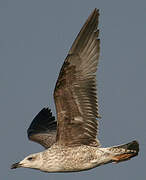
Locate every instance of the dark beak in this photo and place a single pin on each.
(16, 165)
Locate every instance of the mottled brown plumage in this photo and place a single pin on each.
(71, 143)
(75, 91)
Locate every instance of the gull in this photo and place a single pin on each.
(71, 142)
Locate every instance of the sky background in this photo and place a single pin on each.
(35, 36)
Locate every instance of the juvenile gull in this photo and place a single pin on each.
(71, 143)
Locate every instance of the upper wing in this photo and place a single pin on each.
(43, 128)
(75, 91)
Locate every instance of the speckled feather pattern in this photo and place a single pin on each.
(60, 158)
(77, 158)
(71, 143)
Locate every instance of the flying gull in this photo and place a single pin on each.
(70, 142)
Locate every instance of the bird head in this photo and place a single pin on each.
(31, 161)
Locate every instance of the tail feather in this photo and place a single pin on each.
(125, 152)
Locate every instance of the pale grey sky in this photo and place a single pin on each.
(35, 37)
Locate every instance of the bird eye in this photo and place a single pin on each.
(30, 158)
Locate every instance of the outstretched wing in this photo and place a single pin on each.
(43, 128)
(75, 90)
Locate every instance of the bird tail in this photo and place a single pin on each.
(124, 152)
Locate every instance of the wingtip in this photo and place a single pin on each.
(94, 14)
(95, 11)
(47, 110)
(90, 26)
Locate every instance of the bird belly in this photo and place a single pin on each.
(75, 159)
